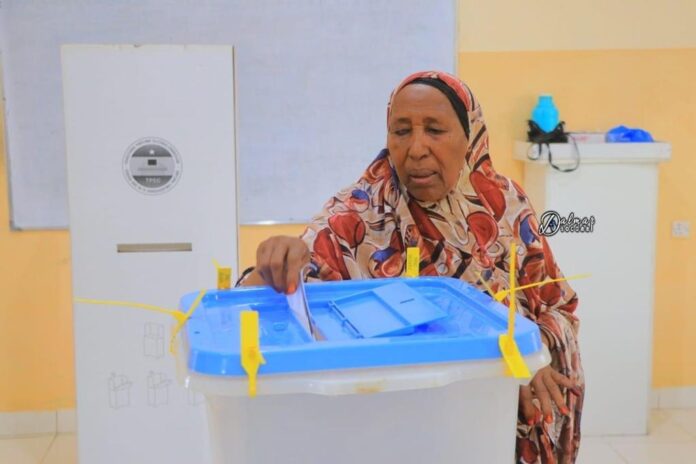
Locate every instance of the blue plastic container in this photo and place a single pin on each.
(410, 372)
(545, 114)
(416, 321)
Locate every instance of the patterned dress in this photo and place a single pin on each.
(364, 230)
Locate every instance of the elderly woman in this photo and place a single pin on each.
(434, 187)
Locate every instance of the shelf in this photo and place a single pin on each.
(597, 153)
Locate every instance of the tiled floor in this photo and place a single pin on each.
(672, 440)
(43, 449)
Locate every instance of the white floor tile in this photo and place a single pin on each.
(28, 423)
(685, 418)
(63, 450)
(66, 421)
(658, 453)
(28, 450)
(662, 429)
(593, 450)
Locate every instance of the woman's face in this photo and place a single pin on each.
(426, 142)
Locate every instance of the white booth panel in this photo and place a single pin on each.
(150, 139)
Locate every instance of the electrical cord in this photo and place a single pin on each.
(540, 138)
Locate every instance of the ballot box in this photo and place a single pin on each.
(403, 370)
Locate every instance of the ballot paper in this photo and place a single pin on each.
(300, 308)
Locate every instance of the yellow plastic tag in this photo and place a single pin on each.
(224, 276)
(516, 367)
(250, 348)
(514, 362)
(412, 262)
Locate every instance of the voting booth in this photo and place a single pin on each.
(150, 140)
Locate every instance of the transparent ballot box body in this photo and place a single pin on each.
(425, 384)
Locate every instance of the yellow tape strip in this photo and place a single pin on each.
(180, 317)
(250, 349)
(500, 296)
(513, 281)
(180, 324)
(516, 366)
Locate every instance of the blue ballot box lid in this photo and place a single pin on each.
(365, 323)
(392, 309)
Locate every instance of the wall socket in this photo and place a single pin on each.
(680, 229)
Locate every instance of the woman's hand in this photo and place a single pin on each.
(278, 263)
(546, 386)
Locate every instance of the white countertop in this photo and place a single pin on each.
(596, 153)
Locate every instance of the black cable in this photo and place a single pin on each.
(541, 138)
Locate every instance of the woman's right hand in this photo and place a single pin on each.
(278, 263)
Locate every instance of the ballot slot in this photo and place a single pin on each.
(154, 247)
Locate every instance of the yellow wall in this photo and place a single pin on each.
(606, 62)
(593, 89)
(598, 90)
(514, 25)
(36, 349)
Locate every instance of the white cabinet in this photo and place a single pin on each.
(617, 184)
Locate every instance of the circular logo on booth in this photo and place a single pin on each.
(152, 165)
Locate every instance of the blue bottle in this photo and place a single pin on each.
(545, 114)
